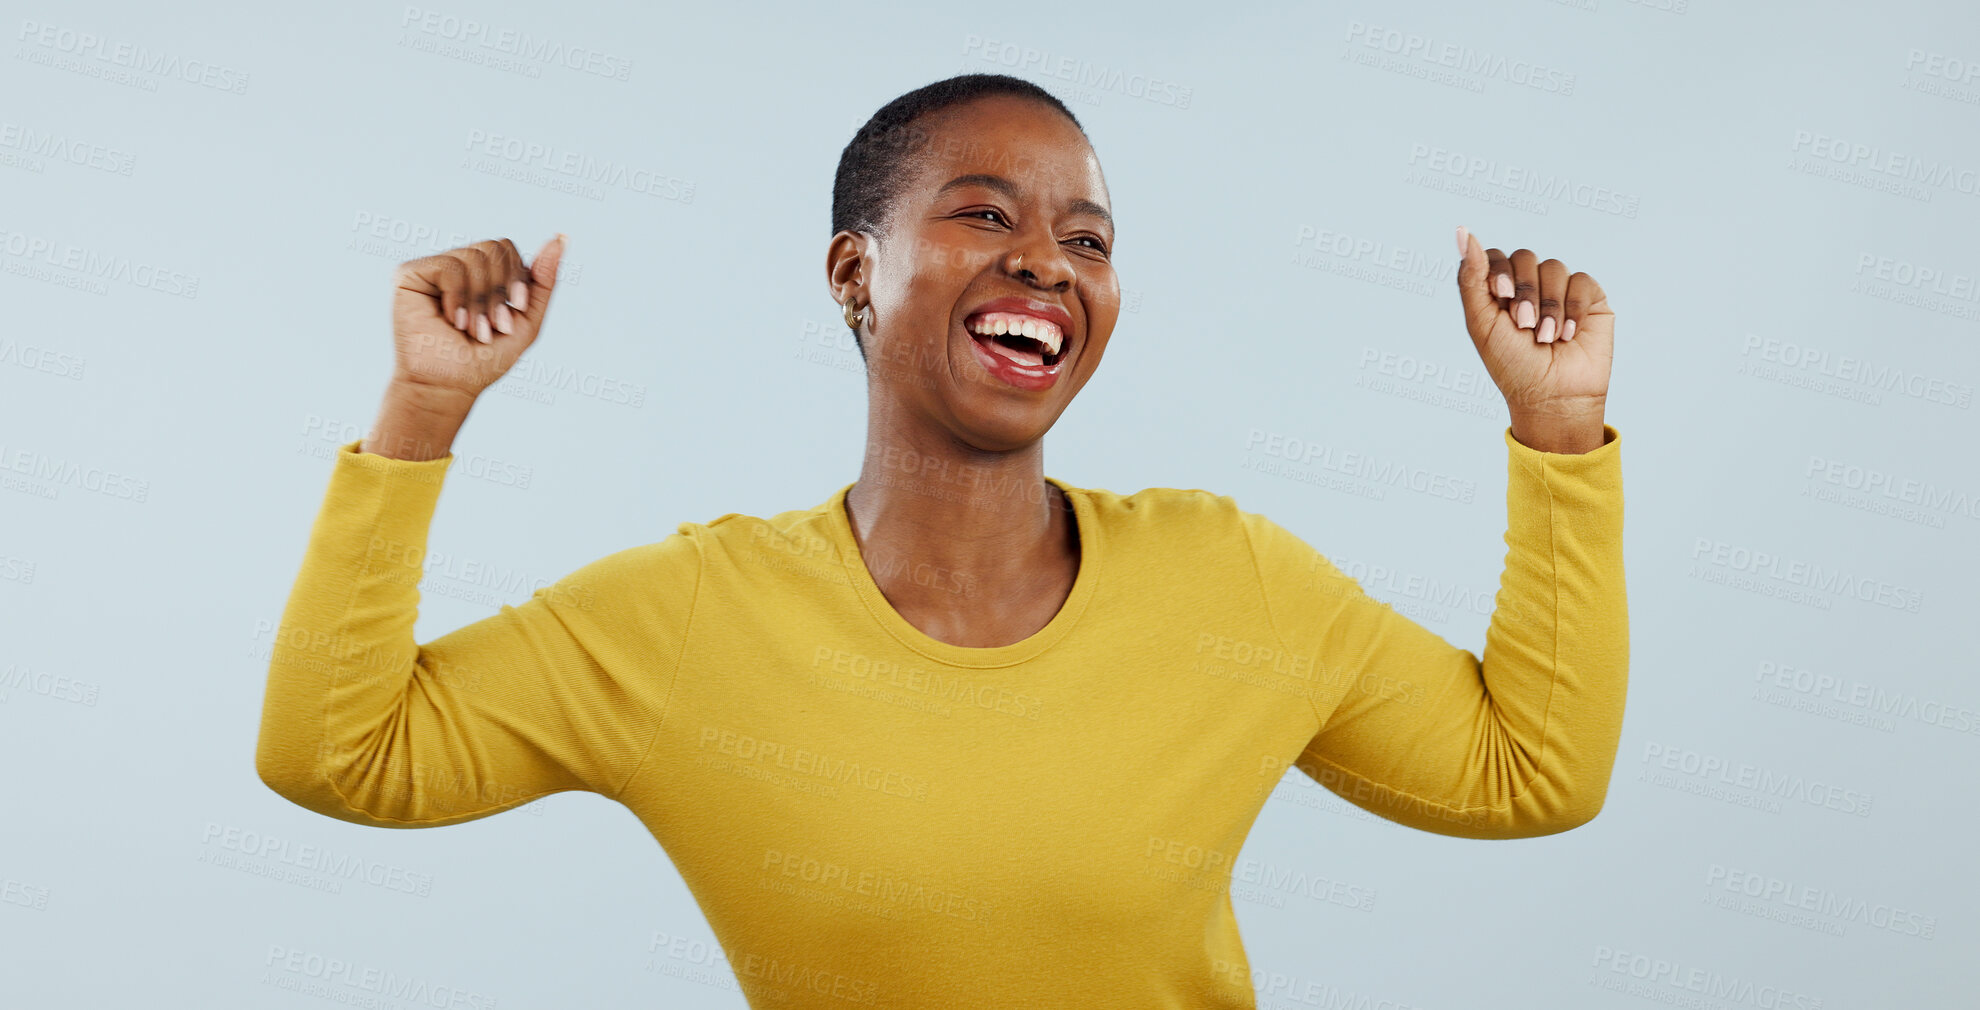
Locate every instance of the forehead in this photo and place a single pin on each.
(1019, 139)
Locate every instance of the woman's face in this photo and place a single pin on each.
(1004, 210)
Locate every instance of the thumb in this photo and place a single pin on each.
(1480, 306)
(543, 273)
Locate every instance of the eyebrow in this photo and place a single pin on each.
(1009, 189)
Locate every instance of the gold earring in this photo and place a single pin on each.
(852, 315)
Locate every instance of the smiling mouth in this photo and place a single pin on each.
(1022, 339)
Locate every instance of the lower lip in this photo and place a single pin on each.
(1021, 376)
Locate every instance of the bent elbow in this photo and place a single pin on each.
(289, 771)
(279, 775)
(1577, 818)
(277, 782)
(1566, 818)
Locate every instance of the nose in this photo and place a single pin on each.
(1041, 264)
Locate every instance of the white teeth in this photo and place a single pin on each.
(999, 323)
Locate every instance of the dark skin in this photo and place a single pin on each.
(954, 471)
(953, 481)
(1545, 335)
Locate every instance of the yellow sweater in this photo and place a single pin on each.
(870, 816)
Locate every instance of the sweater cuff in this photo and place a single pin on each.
(391, 470)
(383, 495)
(1576, 486)
(1601, 455)
(377, 510)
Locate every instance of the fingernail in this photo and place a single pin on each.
(519, 295)
(1464, 242)
(506, 325)
(481, 328)
(1503, 285)
(460, 319)
(1524, 315)
(1567, 331)
(1547, 330)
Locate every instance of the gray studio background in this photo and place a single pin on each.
(200, 209)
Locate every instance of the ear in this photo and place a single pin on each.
(845, 266)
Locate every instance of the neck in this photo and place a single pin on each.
(944, 526)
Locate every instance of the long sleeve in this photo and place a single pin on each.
(1519, 743)
(362, 723)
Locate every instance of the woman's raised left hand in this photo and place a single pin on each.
(1547, 338)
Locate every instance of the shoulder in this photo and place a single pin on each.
(1167, 521)
(1160, 506)
(681, 554)
(1170, 508)
(659, 581)
(799, 536)
(1215, 523)
(661, 573)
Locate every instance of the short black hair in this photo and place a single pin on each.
(876, 162)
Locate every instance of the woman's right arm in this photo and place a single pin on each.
(360, 721)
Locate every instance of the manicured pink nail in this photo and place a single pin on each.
(1464, 242)
(1547, 330)
(481, 328)
(1523, 315)
(502, 320)
(519, 295)
(460, 319)
(1567, 332)
(1503, 285)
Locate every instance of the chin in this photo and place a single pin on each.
(992, 427)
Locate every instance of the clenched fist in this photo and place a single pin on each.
(461, 318)
(1547, 338)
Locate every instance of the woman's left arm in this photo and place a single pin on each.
(1522, 741)
(1411, 727)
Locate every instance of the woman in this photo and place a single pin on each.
(962, 734)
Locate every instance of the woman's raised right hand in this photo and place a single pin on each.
(461, 318)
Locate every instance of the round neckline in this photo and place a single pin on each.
(1091, 549)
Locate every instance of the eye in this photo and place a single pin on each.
(1097, 246)
(984, 210)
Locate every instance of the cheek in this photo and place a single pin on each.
(1102, 295)
(958, 260)
(930, 291)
